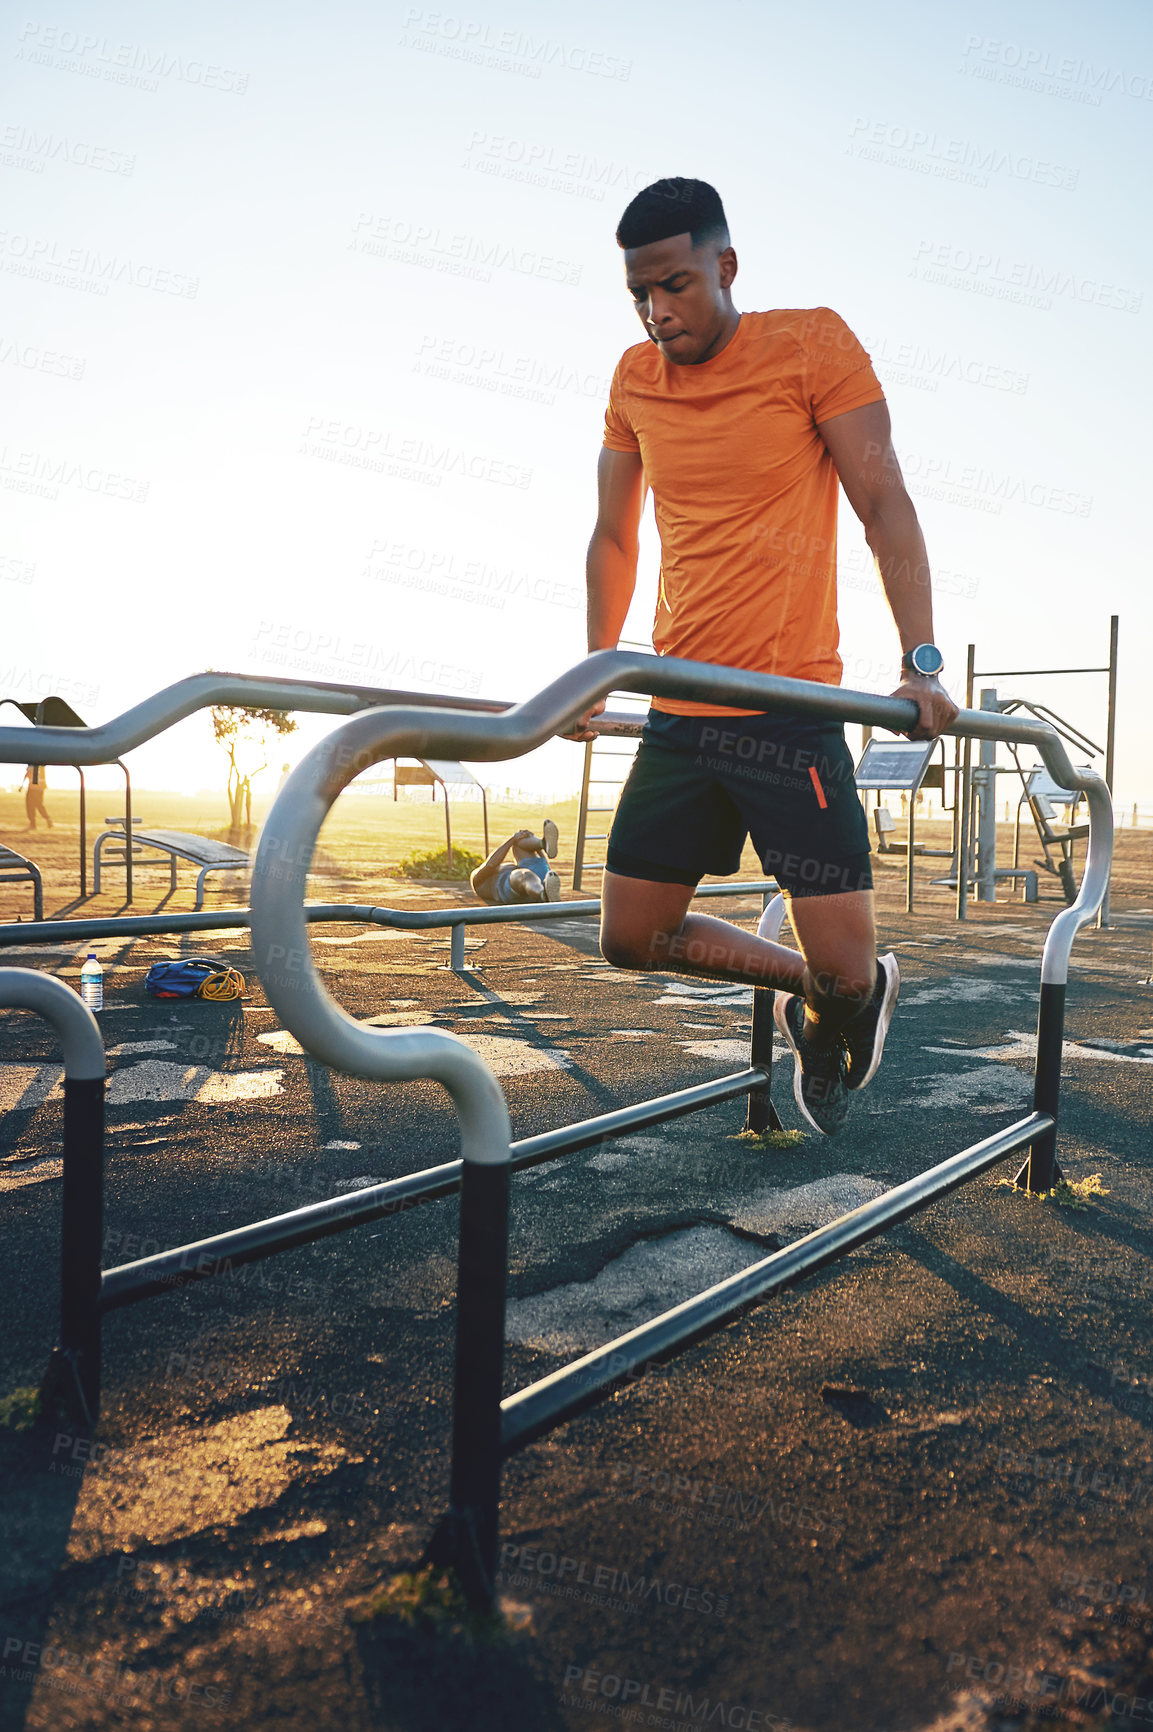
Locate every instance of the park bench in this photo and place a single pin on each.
(199, 851)
(14, 868)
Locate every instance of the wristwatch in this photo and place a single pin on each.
(925, 659)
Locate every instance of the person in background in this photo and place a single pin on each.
(528, 877)
(34, 806)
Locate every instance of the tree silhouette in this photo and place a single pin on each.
(242, 729)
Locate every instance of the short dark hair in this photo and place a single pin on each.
(674, 206)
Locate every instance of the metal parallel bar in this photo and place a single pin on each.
(344, 913)
(479, 729)
(170, 705)
(279, 920)
(543, 1405)
(1020, 673)
(108, 742)
(123, 926)
(205, 1258)
(533, 1150)
(279, 929)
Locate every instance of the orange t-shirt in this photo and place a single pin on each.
(745, 491)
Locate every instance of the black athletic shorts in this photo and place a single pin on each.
(700, 784)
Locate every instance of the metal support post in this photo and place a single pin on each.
(762, 1114)
(1110, 744)
(73, 1375)
(74, 1372)
(456, 947)
(964, 803)
(963, 798)
(466, 1537)
(83, 836)
(582, 819)
(1041, 1172)
(127, 834)
(910, 852)
(1111, 724)
(986, 779)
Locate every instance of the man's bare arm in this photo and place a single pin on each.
(490, 867)
(860, 444)
(611, 565)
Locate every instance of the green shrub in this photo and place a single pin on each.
(21, 1408)
(1067, 1193)
(430, 1600)
(434, 863)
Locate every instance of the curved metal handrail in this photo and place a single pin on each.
(279, 931)
(110, 740)
(76, 1027)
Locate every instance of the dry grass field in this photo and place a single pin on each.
(366, 837)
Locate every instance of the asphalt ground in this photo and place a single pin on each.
(913, 1493)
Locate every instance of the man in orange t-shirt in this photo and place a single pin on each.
(744, 425)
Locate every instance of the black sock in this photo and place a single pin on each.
(877, 995)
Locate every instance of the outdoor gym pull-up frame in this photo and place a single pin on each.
(984, 774)
(486, 1429)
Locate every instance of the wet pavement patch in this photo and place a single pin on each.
(855, 1406)
(802, 1207)
(647, 1279)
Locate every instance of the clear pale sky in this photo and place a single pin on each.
(307, 313)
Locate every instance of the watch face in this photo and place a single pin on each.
(927, 659)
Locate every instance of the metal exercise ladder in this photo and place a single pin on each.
(612, 751)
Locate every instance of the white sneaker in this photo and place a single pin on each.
(864, 1035)
(771, 921)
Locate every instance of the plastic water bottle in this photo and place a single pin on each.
(92, 983)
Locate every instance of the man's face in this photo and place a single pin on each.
(682, 296)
